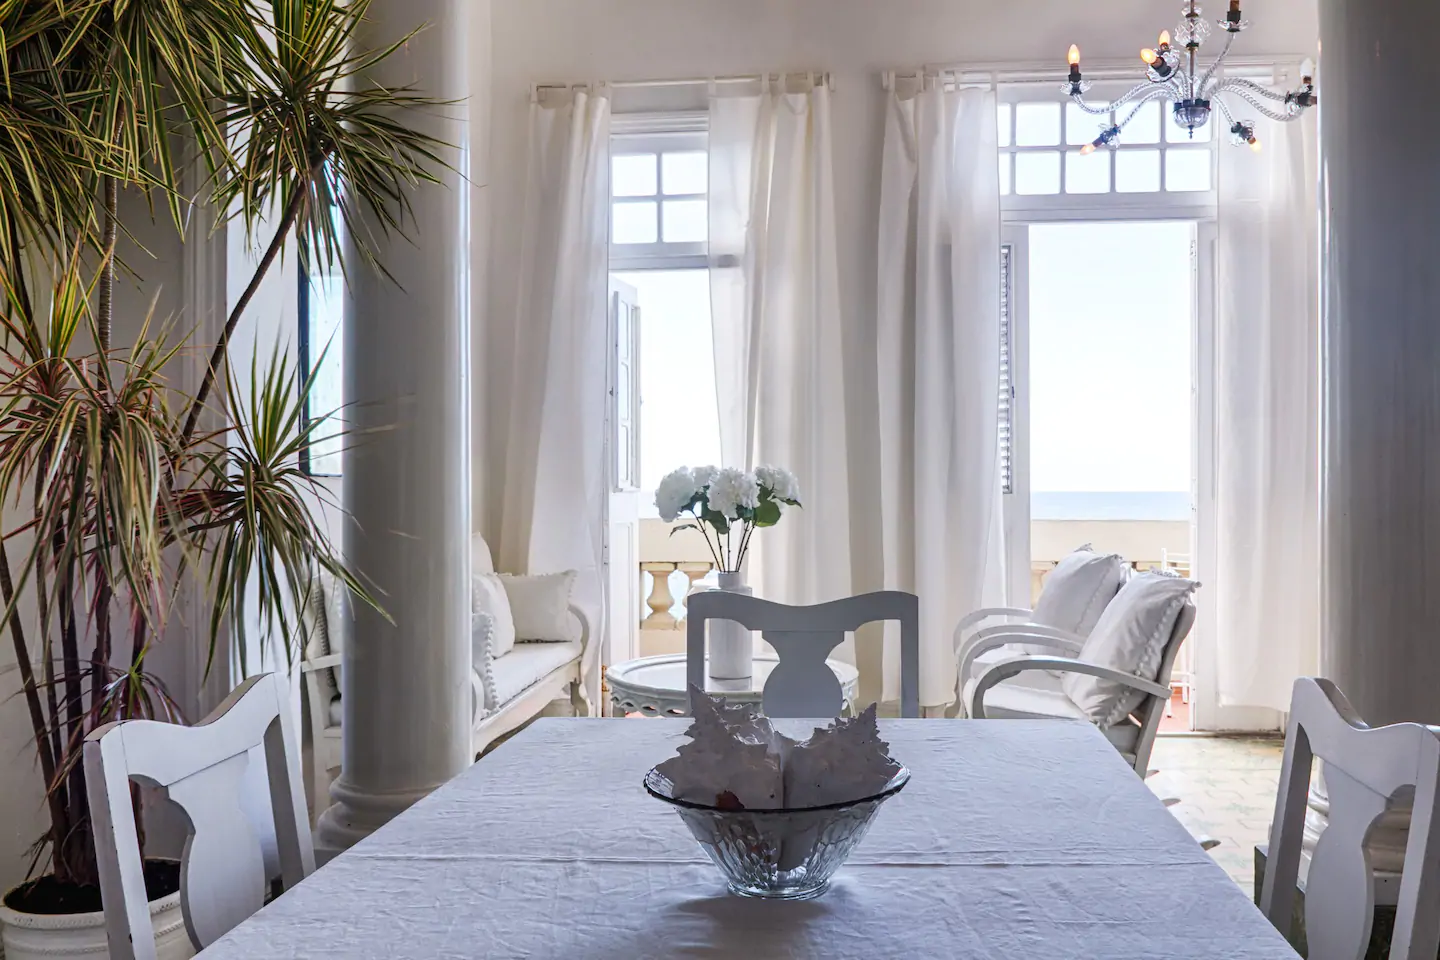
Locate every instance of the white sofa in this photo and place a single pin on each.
(509, 691)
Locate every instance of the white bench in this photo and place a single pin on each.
(509, 691)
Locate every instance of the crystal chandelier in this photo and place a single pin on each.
(1174, 72)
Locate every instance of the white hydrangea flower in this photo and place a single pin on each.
(782, 482)
(732, 490)
(704, 476)
(674, 492)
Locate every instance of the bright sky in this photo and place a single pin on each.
(1110, 357)
(1110, 361)
(680, 421)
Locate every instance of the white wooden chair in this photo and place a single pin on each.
(801, 685)
(1133, 736)
(203, 769)
(1365, 768)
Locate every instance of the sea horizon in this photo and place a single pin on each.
(1152, 505)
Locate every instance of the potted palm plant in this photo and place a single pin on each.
(115, 497)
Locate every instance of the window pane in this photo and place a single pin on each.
(1087, 174)
(1039, 173)
(1037, 124)
(1004, 174)
(1002, 123)
(633, 175)
(325, 350)
(1145, 127)
(685, 172)
(686, 221)
(1137, 171)
(1174, 133)
(1081, 127)
(1187, 169)
(634, 222)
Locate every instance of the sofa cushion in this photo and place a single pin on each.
(541, 606)
(480, 559)
(1131, 637)
(528, 664)
(488, 598)
(1077, 592)
(1007, 701)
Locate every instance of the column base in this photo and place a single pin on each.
(355, 814)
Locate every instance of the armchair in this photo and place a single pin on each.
(1074, 598)
(987, 696)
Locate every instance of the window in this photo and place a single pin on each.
(659, 256)
(1155, 163)
(659, 185)
(322, 350)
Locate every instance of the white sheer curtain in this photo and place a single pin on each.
(775, 301)
(1267, 573)
(939, 350)
(553, 475)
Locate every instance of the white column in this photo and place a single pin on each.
(1380, 496)
(407, 690)
(1381, 461)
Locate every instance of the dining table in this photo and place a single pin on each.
(1014, 840)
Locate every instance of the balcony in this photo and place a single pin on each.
(672, 566)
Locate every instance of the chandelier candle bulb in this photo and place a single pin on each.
(1148, 56)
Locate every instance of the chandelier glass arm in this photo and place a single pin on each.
(1210, 72)
(1249, 96)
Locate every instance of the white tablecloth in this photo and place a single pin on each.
(1015, 840)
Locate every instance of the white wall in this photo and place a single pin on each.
(549, 41)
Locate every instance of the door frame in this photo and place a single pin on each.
(1207, 713)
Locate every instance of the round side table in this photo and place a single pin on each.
(655, 686)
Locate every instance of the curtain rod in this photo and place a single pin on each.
(814, 77)
(1036, 72)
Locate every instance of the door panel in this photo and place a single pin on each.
(622, 527)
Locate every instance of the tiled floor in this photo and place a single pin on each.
(1226, 787)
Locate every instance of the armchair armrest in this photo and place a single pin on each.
(327, 662)
(985, 613)
(1002, 636)
(1013, 668)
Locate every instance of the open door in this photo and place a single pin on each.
(622, 526)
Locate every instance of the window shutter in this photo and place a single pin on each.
(1007, 383)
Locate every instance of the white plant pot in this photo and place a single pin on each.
(732, 648)
(81, 936)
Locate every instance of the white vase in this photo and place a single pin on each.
(732, 648)
(81, 936)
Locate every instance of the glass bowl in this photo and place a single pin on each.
(778, 854)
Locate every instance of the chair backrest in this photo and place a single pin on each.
(801, 685)
(1152, 710)
(1364, 770)
(202, 769)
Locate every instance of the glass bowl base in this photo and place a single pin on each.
(780, 893)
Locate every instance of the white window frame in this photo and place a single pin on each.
(1111, 206)
(657, 133)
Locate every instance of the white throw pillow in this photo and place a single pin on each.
(488, 596)
(1130, 637)
(541, 606)
(1077, 592)
(480, 559)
